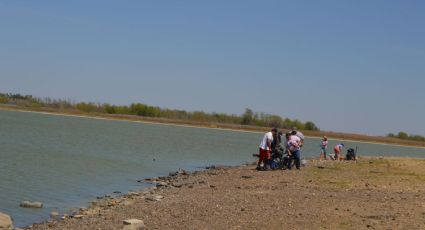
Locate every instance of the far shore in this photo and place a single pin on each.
(372, 193)
(220, 126)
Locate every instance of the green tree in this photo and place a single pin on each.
(391, 135)
(309, 125)
(86, 107)
(273, 121)
(248, 117)
(403, 135)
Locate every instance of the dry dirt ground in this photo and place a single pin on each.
(373, 193)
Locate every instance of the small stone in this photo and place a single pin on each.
(78, 216)
(133, 224)
(54, 215)
(177, 184)
(159, 197)
(133, 194)
(28, 204)
(182, 172)
(154, 198)
(151, 179)
(212, 167)
(161, 184)
(127, 203)
(132, 221)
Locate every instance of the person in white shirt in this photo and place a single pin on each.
(294, 147)
(298, 134)
(265, 148)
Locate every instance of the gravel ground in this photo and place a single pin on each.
(373, 193)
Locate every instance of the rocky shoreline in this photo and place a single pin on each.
(374, 193)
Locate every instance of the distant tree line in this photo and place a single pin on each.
(249, 117)
(405, 136)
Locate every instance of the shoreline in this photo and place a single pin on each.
(230, 197)
(181, 123)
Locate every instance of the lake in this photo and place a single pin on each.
(65, 161)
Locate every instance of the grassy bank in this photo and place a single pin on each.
(334, 135)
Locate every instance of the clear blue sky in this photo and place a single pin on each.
(353, 66)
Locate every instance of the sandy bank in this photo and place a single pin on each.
(374, 193)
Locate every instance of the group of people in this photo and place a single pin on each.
(337, 150)
(271, 148)
(289, 151)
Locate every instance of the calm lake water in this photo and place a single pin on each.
(65, 162)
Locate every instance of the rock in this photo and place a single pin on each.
(154, 198)
(151, 179)
(161, 184)
(133, 224)
(211, 167)
(133, 194)
(127, 203)
(173, 174)
(54, 215)
(78, 216)
(182, 172)
(5, 221)
(177, 184)
(28, 204)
